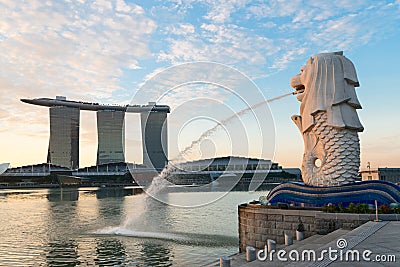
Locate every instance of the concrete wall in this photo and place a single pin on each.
(154, 139)
(64, 137)
(389, 174)
(369, 175)
(110, 136)
(258, 223)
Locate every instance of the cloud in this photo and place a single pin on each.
(289, 56)
(181, 29)
(221, 10)
(77, 49)
(71, 46)
(228, 44)
(274, 9)
(257, 35)
(196, 79)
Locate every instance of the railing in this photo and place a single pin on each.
(38, 174)
(99, 173)
(226, 172)
(25, 174)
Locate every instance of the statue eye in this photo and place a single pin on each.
(302, 69)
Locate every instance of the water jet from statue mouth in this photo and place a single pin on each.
(159, 184)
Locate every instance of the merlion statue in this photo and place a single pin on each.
(328, 119)
(329, 125)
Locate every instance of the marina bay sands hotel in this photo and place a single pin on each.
(64, 131)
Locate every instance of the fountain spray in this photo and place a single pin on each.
(159, 182)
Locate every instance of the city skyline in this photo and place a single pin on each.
(104, 51)
(64, 125)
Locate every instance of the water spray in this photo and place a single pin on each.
(226, 121)
(160, 183)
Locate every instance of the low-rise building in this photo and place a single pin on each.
(240, 169)
(385, 174)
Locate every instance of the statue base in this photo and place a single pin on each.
(365, 192)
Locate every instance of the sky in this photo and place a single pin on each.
(108, 51)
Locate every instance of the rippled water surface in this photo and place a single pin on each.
(114, 227)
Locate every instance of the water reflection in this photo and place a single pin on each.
(114, 192)
(62, 194)
(110, 252)
(62, 250)
(110, 208)
(62, 253)
(157, 212)
(147, 215)
(153, 254)
(59, 227)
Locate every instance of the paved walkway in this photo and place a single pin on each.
(381, 238)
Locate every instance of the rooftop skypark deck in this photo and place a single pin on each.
(59, 101)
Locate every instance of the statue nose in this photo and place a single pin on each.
(295, 81)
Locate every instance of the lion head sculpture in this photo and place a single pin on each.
(328, 119)
(326, 83)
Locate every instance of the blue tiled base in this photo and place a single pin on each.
(362, 192)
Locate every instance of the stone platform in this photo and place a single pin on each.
(258, 223)
(378, 237)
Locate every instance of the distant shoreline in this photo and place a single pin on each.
(51, 186)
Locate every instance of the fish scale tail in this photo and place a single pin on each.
(341, 162)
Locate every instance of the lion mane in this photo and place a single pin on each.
(329, 81)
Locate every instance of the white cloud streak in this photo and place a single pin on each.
(267, 35)
(78, 49)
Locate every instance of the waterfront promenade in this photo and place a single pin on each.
(381, 238)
